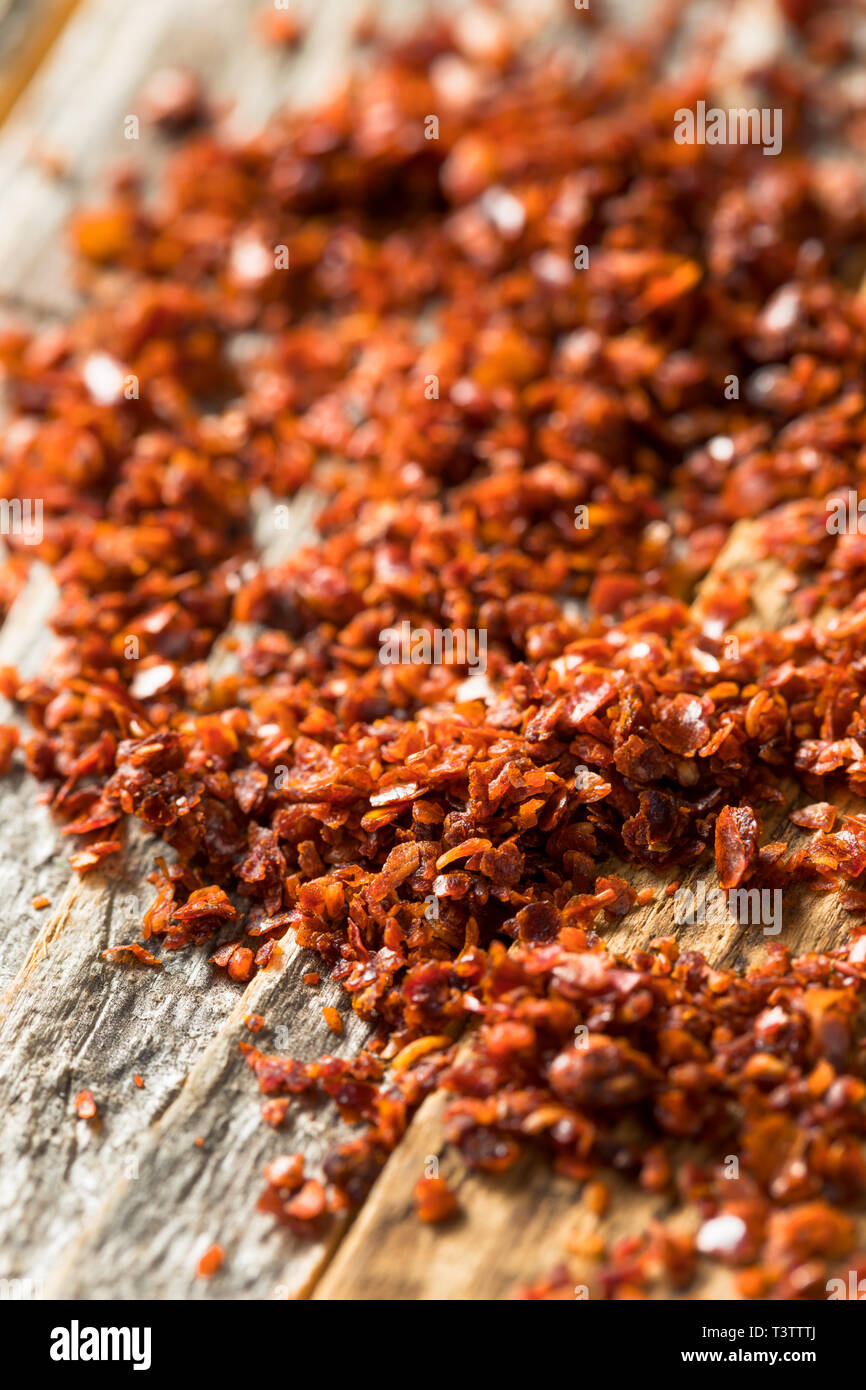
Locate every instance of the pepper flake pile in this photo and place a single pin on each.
(508, 439)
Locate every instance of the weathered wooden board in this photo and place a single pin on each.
(514, 1230)
(146, 1237)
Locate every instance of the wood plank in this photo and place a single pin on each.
(28, 28)
(513, 1230)
(145, 1239)
(34, 858)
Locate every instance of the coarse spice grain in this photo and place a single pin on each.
(509, 445)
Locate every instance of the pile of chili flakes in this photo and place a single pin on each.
(408, 826)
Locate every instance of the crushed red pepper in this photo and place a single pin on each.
(333, 1019)
(85, 1106)
(434, 1200)
(408, 825)
(210, 1262)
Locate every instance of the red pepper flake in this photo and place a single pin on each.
(132, 948)
(241, 963)
(139, 1080)
(210, 1262)
(333, 1019)
(85, 859)
(281, 27)
(41, 900)
(9, 737)
(254, 1022)
(821, 815)
(308, 1204)
(434, 1200)
(286, 1172)
(85, 1106)
(274, 1111)
(597, 1197)
(312, 978)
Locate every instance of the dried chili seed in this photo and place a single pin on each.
(736, 844)
(819, 816)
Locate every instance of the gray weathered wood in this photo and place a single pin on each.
(33, 860)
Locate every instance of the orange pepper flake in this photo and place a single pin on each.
(333, 1019)
(85, 1106)
(281, 28)
(210, 1261)
(41, 900)
(134, 949)
(597, 1197)
(308, 1204)
(139, 1080)
(312, 978)
(434, 1200)
(83, 860)
(286, 1172)
(240, 966)
(274, 1111)
(254, 1022)
(8, 744)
